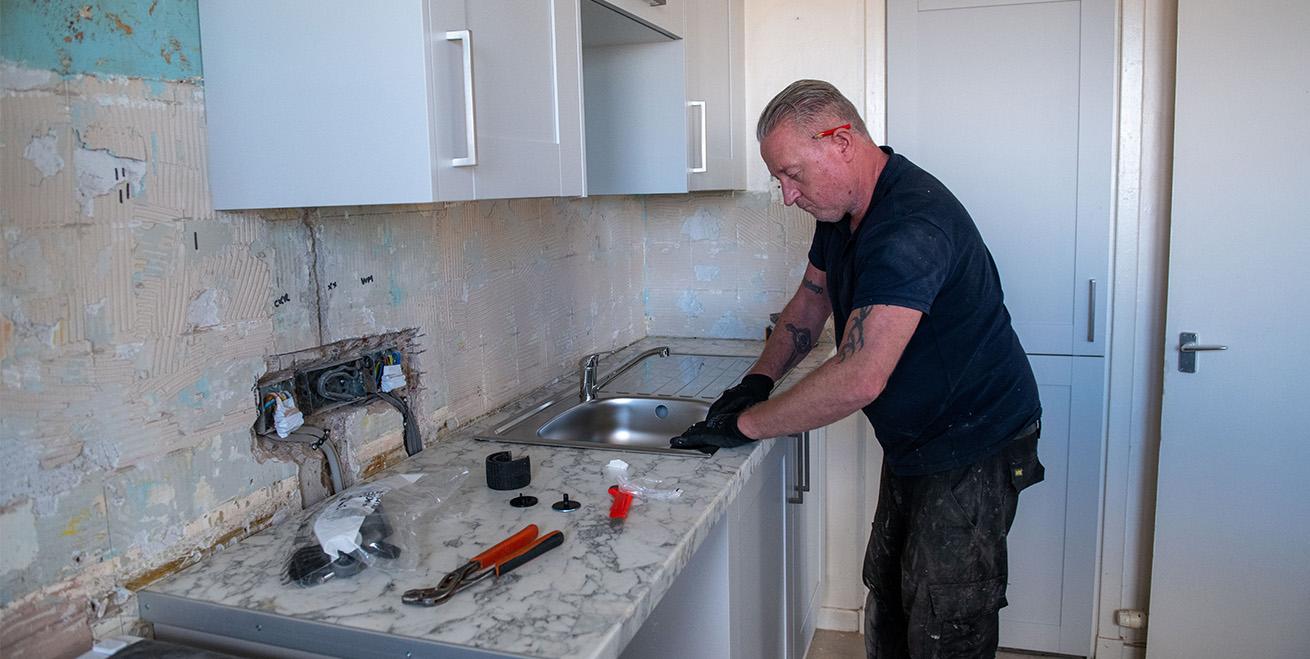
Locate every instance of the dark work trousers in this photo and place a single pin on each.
(936, 561)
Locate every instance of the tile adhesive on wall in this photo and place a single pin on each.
(135, 319)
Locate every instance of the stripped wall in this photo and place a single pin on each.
(717, 264)
(134, 318)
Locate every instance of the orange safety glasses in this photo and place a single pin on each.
(830, 132)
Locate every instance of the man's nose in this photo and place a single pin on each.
(789, 194)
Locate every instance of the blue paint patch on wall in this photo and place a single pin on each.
(152, 39)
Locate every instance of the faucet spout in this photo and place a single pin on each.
(589, 387)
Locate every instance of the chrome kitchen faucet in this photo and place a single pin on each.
(588, 387)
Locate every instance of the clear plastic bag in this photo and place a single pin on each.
(376, 524)
(642, 487)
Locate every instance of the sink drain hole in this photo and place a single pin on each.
(661, 411)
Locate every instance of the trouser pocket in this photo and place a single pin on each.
(1021, 458)
(964, 622)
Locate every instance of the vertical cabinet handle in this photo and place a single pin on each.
(1091, 311)
(704, 166)
(799, 496)
(470, 129)
(805, 473)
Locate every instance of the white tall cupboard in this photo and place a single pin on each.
(1010, 103)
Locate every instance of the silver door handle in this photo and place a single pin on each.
(470, 129)
(1187, 349)
(1091, 311)
(799, 496)
(1198, 347)
(703, 164)
(804, 485)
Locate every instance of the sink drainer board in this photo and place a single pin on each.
(639, 411)
(701, 377)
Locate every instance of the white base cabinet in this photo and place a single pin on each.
(751, 591)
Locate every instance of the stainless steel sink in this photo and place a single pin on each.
(626, 424)
(625, 421)
(646, 405)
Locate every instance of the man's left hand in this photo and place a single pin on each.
(712, 434)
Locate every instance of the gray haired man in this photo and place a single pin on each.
(925, 349)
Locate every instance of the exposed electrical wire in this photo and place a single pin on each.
(413, 440)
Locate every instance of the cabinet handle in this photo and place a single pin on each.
(1091, 311)
(470, 129)
(799, 497)
(805, 446)
(703, 164)
(657, 3)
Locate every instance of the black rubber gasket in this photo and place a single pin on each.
(505, 472)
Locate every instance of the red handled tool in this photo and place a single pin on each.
(619, 508)
(500, 559)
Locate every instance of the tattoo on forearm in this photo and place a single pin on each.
(854, 334)
(801, 343)
(811, 286)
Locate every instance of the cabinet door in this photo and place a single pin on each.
(525, 67)
(298, 112)
(756, 541)
(1011, 104)
(806, 547)
(1052, 545)
(716, 136)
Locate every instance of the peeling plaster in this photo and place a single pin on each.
(702, 226)
(43, 153)
(690, 304)
(18, 528)
(206, 308)
(707, 272)
(96, 175)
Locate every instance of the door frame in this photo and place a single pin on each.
(1145, 32)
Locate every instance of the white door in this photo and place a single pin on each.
(1231, 570)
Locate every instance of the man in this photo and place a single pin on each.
(925, 349)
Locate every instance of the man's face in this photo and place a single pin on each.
(810, 171)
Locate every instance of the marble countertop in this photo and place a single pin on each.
(586, 598)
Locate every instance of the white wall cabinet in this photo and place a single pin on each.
(718, 131)
(333, 102)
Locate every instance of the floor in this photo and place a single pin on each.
(850, 645)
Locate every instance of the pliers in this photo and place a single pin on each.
(500, 559)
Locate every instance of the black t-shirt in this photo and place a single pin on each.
(963, 385)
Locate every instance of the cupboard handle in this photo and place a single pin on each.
(1091, 311)
(704, 166)
(657, 3)
(470, 129)
(805, 446)
(799, 497)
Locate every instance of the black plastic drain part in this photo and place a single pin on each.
(566, 505)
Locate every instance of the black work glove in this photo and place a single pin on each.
(718, 431)
(752, 389)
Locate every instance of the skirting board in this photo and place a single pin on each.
(840, 620)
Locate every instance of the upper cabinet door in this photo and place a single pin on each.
(527, 97)
(1011, 104)
(329, 102)
(316, 103)
(716, 122)
(667, 16)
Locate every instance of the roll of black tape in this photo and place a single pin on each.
(506, 473)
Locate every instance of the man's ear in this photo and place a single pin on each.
(844, 140)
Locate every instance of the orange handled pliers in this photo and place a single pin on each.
(500, 559)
